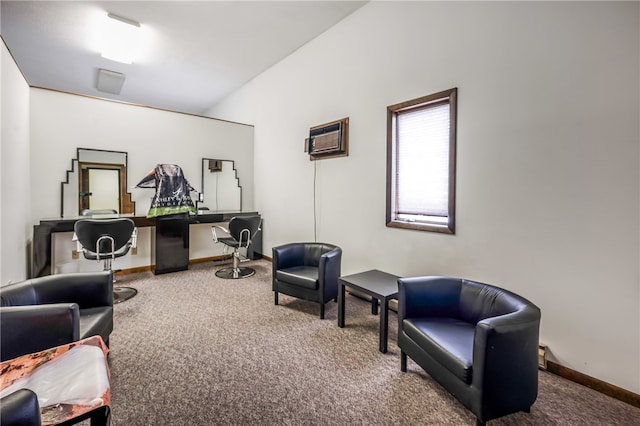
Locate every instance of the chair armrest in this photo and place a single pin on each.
(420, 297)
(134, 238)
(20, 408)
(329, 269)
(27, 329)
(215, 235)
(505, 352)
(88, 290)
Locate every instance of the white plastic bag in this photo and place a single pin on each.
(78, 376)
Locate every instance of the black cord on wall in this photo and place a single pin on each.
(315, 220)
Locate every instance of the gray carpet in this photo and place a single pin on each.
(194, 349)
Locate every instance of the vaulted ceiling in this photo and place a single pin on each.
(194, 52)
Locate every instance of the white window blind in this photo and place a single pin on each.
(422, 161)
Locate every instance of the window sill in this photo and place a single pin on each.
(418, 226)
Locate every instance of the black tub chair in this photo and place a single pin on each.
(307, 271)
(54, 310)
(20, 408)
(478, 341)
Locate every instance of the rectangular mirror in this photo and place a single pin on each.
(221, 190)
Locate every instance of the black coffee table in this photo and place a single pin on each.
(381, 286)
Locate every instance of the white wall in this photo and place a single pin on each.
(61, 123)
(15, 229)
(548, 156)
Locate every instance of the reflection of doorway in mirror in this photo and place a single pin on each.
(76, 185)
(104, 186)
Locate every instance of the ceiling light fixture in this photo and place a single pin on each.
(121, 39)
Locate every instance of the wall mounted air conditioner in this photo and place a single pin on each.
(328, 140)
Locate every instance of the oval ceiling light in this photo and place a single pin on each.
(121, 39)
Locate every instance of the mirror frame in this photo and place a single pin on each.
(126, 205)
(233, 166)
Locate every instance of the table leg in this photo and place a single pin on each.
(101, 417)
(384, 325)
(374, 305)
(340, 305)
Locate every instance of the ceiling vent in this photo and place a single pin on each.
(110, 81)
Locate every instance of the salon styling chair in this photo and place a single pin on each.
(105, 240)
(241, 230)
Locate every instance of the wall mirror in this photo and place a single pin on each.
(97, 181)
(221, 190)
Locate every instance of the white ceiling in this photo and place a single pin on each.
(196, 52)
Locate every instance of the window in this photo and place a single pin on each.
(421, 163)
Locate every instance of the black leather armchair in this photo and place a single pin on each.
(20, 408)
(307, 271)
(50, 311)
(478, 341)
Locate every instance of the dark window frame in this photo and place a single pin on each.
(447, 96)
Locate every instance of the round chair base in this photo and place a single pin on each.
(120, 294)
(232, 273)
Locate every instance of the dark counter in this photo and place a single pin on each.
(41, 249)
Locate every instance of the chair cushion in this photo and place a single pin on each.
(449, 341)
(231, 242)
(303, 276)
(96, 321)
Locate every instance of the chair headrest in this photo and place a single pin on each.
(89, 231)
(238, 223)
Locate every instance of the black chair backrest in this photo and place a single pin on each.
(88, 231)
(239, 223)
(20, 408)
